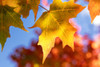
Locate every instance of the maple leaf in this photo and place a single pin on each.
(55, 23)
(94, 8)
(8, 18)
(24, 6)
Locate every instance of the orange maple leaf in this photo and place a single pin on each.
(94, 8)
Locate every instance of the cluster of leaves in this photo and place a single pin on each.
(53, 23)
(84, 55)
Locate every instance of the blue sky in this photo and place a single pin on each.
(21, 38)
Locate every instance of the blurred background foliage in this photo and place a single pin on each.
(85, 55)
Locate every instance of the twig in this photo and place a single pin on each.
(43, 8)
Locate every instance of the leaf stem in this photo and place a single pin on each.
(43, 8)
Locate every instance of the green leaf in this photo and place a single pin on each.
(8, 18)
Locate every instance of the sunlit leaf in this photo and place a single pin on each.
(55, 23)
(94, 8)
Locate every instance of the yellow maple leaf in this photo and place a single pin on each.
(55, 23)
(8, 18)
(24, 6)
(94, 8)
